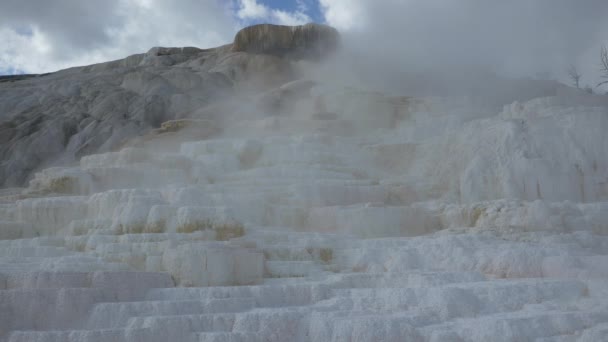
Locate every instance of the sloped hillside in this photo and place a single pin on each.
(221, 195)
(62, 116)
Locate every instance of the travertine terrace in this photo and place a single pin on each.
(300, 211)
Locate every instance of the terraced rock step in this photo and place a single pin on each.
(442, 222)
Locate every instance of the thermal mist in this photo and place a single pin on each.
(513, 38)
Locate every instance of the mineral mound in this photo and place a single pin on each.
(230, 195)
(310, 41)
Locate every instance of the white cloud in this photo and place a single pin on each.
(290, 18)
(248, 10)
(51, 35)
(344, 14)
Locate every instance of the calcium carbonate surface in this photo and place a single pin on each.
(371, 219)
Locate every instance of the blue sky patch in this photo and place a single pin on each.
(10, 71)
(312, 8)
(24, 30)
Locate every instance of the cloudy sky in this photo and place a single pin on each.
(518, 37)
(46, 35)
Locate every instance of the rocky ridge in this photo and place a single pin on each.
(59, 117)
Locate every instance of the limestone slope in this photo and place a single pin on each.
(56, 118)
(316, 212)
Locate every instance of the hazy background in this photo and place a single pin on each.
(534, 38)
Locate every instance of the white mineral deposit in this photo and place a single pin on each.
(242, 193)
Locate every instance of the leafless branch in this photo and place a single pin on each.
(574, 75)
(604, 66)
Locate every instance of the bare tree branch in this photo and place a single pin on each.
(604, 66)
(574, 75)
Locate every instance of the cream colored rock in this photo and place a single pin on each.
(308, 41)
(213, 265)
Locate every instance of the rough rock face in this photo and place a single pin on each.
(310, 41)
(59, 117)
(74, 112)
